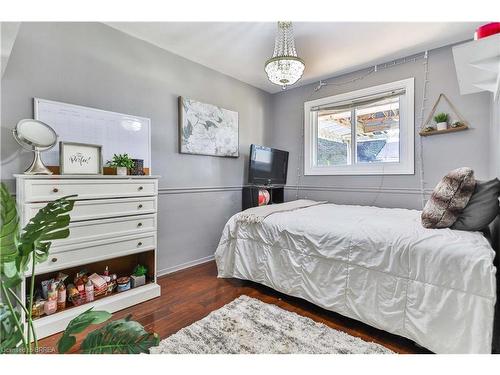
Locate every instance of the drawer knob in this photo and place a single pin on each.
(140, 206)
(139, 224)
(54, 260)
(140, 188)
(55, 190)
(139, 244)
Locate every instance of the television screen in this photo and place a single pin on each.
(268, 166)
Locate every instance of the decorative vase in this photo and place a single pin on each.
(121, 171)
(442, 125)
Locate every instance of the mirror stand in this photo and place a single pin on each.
(36, 166)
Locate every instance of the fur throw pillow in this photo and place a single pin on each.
(449, 198)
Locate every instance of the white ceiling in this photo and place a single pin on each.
(240, 49)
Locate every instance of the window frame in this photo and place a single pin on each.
(406, 164)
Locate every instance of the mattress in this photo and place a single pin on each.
(377, 265)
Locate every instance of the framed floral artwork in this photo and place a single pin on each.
(206, 129)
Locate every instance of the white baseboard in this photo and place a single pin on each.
(182, 266)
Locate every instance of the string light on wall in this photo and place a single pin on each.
(371, 70)
(285, 67)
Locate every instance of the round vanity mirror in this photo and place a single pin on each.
(35, 136)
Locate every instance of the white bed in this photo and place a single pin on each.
(377, 265)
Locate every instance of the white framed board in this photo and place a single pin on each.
(117, 133)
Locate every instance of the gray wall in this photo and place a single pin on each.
(94, 65)
(441, 153)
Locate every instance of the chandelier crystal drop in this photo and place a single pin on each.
(285, 67)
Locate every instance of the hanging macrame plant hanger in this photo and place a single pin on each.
(464, 125)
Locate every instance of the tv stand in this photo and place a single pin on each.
(250, 196)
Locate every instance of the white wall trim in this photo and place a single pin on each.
(342, 189)
(182, 266)
(199, 189)
(11, 185)
(368, 189)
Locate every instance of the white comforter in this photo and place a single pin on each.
(377, 265)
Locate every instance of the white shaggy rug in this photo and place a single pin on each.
(247, 325)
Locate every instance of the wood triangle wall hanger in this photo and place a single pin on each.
(458, 125)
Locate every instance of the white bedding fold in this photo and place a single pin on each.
(258, 214)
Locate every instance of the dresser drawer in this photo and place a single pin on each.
(89, 252)
(92, 230)
(100, 209)
(50, 189)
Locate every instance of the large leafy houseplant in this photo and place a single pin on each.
(23, 250)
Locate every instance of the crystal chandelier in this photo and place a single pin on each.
(284, 68)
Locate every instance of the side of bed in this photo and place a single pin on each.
(436, 287)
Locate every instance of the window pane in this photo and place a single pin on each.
(377, 132)
(334, 138)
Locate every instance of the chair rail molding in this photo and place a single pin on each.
(367, 189)
(198, 189)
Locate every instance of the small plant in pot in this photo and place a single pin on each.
(441, 120)
(138, 277)
(122, 163)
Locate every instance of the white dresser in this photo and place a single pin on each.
(114, 221)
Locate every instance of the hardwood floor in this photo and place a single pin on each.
(191, 294)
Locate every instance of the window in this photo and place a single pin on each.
(369, 131)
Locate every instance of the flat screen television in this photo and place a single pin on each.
(268, 166)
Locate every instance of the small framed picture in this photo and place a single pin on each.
(80, 158)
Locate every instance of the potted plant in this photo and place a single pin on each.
(20, 252)
(122, 163)
(138, 277)
(441, 121)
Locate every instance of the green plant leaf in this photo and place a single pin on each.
(10, 336)
(9, 269)
(78, 325)
(9, 238)
(123, 336)
(16, 250)
(50, 223)
(140, 270)
(10, 226)
(121, 160)
(441, 117)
